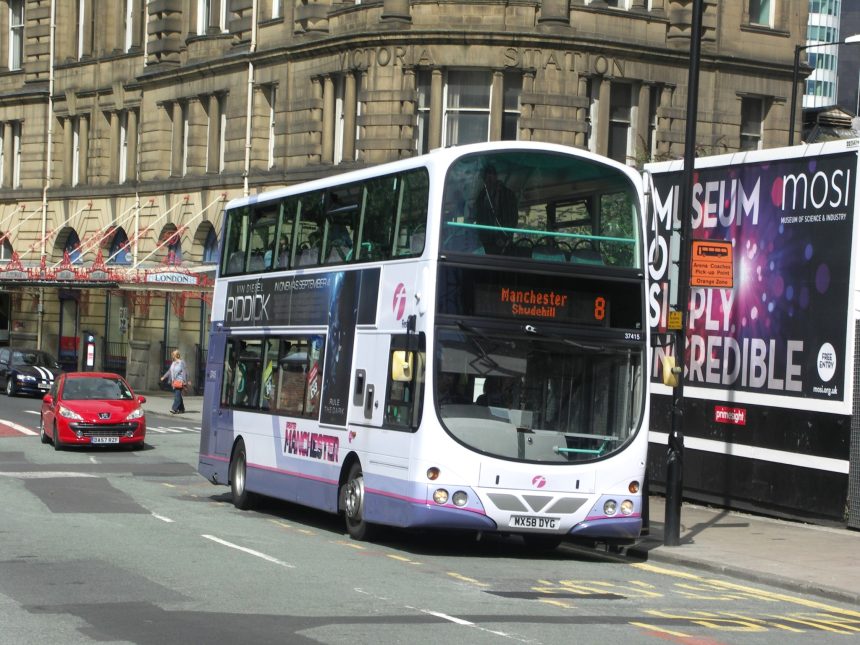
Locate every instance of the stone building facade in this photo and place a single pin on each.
(125, 125)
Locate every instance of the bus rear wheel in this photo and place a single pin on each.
(353, 505)
(242, 499)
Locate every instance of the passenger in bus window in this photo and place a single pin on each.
(495, 205)
(284, 252)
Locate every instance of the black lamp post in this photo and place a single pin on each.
(796, 73)
(675, 451)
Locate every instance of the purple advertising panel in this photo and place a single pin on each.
(781, 330)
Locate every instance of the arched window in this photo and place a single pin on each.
(210, 247)
(73, 248)
(120, 249)
(5, 249)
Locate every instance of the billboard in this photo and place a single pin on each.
(779, 336)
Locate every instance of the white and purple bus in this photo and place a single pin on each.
(452, 341)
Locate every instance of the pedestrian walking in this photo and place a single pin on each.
(177, 376)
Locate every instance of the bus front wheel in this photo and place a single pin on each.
(242, 499)
(353, 505)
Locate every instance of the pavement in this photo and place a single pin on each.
(794, 556)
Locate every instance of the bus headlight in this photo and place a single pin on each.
(440, 496)
(626, 507)
(459, 498)
(610, 506)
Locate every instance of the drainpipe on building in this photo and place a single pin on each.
(48, 159)
(250, 104)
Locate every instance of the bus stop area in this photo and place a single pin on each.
(795, 556)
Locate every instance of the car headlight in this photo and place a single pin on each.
(69, 414)
(137, 414)
(26, 379)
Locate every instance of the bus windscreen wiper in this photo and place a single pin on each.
(532, 330)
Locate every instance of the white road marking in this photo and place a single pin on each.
(18, 427)
(268, 558)
(44, 474)
(162, 518)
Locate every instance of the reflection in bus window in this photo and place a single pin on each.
(310, 230)
(263, 223)
(235, 242)
(298, 377)
(545, 207)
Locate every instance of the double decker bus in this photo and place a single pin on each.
(451, 341)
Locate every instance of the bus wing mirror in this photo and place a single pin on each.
(671, 372)
(401, 366)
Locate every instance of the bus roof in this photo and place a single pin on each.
(438, 158)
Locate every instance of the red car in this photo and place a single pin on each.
(92, 408)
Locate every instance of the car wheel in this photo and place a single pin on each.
(10, 387)
(242, 499)
(352, 494)
(56, 439)
(43, 436)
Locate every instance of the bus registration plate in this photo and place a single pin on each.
(104, 440)
(534, 522)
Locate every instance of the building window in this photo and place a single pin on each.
(85, 28)
(210, 247)
(211, 15)
(277, 9)
(422, 126)
(5, 250)
(16, 154)
(271, 94)
(179, 139)
(513, 89)
(16, 34)
(761, 12)
(467, 107)
(215, 126)
(620, 103)
(752, 115)
(120, 248)
(76, 150)
(122, 157)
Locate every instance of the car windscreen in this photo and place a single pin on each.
(34, 358)
(93, 388)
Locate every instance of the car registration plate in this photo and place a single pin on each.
(534, 522)
(105, 440)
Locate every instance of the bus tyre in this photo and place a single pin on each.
(353, 505)
(242, 499)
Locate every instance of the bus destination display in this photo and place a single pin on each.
(535, 303)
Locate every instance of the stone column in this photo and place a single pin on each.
(436, 108)
(212, 145)
(68, 150)
(601, 128)
(641, 140)
(8, 152)
(116, 148)
(396, 10)
(131, 146)
(328, 120)
(554, 12)
(83, 148)
(581, 138)
(497, 105)
(349, 116)
(177, 142)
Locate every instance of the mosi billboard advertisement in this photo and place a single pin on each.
(781, 331)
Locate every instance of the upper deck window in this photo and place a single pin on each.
(540, 206)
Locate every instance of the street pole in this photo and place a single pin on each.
(675, 454)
